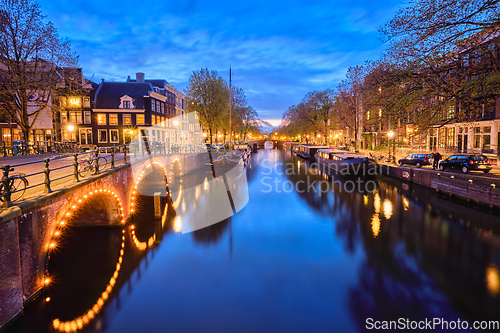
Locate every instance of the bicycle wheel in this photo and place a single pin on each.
(103, 162)
(18, 187)
(84, 168)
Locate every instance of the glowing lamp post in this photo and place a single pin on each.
(390, 135)
(71, 128)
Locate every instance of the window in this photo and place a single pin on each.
(113, 119)
(64, 117)
(113, 135)
(486, 141)
(62, 101)
(153, 105)
(127, 119)
(73, 102)
(6, 134)
(75, 117)
(64, 134)
(87, 117)
(477, 141)
(451, 112)
(139, 119)
(477, 129)
(162, 105)
(126, 104)
(157, 106)
(101, 119)
(487, 129)
(86, 102)
(103, 136)
(153, 119)
(85, 136)
(451, 136)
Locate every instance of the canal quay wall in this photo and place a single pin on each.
(466, 187)
(28, 231)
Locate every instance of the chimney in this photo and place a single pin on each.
(128, 78)
(102, 80)
(139, 77)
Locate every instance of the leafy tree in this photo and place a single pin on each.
(208, 95)
(31, 54)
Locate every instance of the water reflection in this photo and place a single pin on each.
(318, 258)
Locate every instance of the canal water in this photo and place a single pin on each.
(310, 252)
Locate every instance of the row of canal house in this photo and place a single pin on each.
(112, 113)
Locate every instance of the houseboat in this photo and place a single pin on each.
(342, 161)
(307, 152)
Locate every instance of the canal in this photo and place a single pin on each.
(310, 252)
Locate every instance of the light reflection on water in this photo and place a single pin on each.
(300, 260)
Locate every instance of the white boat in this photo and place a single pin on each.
(308, 152)
(343, 162)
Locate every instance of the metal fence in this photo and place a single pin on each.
(80, 165)
(20, 147)
(14, 185)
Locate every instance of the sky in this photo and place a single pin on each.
(278, 50)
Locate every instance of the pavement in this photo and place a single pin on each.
(34, 171)
(494, 173)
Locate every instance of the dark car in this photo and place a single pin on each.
(466, 163)
(417, 160)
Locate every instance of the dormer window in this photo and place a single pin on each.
(126, 102)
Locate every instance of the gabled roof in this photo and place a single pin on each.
(109, 93)
(160, 83)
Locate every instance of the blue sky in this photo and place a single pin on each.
(279, 50)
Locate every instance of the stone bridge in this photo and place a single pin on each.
(29, 232)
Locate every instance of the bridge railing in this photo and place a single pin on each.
(75, 166)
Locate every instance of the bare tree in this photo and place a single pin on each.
(208, 95)
(31, 53)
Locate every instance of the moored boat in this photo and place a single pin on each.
(343, 162)
(307, 152)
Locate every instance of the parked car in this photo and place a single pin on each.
(465, 163)
(417, 160)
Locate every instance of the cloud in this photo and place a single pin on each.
(279, 52)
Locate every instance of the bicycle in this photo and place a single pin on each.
(17, 185)
(88, 164)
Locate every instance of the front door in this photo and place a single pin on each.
(459, 143)
(464, 150)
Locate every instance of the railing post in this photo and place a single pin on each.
(6, 186)
(96, 171)
(47, 177)
(4, 149)
(113, 157)
(125, 154)
(75, 170)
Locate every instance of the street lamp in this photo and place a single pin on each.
(71, 128)
(390, 135)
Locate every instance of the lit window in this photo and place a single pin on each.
(73, 101)
(113, 135)
(113, 119)
(64, 117)
(103, 136)
(127, 119)
(153, 120)
(101, 119)
(85, 136)
(139, 120)
(75, 117)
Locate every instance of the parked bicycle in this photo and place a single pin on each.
(17, 185)
(87, 164)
